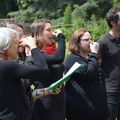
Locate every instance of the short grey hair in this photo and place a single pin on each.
(6, 36)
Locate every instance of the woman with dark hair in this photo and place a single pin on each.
(85, 90)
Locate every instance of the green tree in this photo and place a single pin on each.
(116, 3)
(67, 15)
(6, 6)
(36, 9)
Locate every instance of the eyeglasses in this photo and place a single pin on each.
(86, 39)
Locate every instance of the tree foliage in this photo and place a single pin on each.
(7, 6)
(36, 9)
(28, 10)
(65, 14)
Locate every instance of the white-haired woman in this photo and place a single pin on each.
(13, 102)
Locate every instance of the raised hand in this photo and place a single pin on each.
(29, 42)
(56, 32)
(94, 47)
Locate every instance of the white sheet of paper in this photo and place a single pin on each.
(75, 66)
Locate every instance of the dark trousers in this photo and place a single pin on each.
(113, 99)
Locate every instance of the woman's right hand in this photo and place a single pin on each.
(56, 32)
(29, 42)
(38, 93)
(94, 47)
(56, 90)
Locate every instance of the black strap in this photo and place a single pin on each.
(83, 94)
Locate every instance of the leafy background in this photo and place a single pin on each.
(67, 15)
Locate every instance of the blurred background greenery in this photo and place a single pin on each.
(67, 15)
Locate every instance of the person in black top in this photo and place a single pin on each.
(13, 102)
(109, 54)
(33, 94)
(85, 90)
(49, 107)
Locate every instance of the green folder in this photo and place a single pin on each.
(61, 81)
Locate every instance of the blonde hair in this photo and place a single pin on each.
(37, 28)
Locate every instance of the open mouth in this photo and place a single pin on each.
(51, 37)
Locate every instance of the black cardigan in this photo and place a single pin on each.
(54, 59)
(13, 102)
(51, 107)
(85, 90)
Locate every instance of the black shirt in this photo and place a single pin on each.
(85, 90)
(13, 102)
(51, 107)
(110, 54)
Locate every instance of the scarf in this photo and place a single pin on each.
(50, 48)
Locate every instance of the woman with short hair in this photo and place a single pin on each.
(13, 102)
(85, 90)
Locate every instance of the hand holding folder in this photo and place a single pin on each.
(75, 67)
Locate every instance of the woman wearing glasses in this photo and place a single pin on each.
(85, 91)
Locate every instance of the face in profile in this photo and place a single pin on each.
(21, 49)
(47, 33)
(12, 50)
